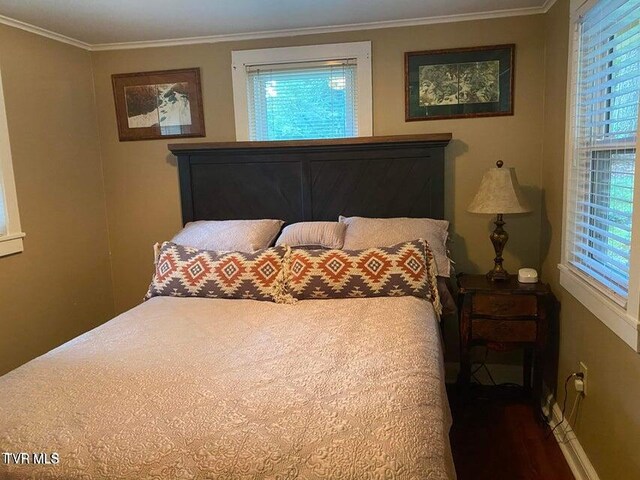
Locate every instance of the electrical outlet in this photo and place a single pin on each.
(583, 369)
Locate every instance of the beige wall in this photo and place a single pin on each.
(608, 425)
(60, 286)
(141, 177)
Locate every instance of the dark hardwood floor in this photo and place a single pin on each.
(496, 436)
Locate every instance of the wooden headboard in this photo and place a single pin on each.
(397, 176)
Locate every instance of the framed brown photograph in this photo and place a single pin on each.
(459, 83)
(156, 105)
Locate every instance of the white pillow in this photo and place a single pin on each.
(313, 235)
(383, 232)
(229, 235)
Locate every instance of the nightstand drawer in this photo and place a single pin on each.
(504, 305)
(503, 330)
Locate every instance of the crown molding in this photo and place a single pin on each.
(318, 30)
(43, 32)
(465, 17)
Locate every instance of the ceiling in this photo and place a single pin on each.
(99, 22)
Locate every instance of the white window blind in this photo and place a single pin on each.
(10, 232)
(601, 181)
(303, 100)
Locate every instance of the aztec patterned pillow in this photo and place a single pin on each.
(365, 232)
(189, 272)
(400, 270)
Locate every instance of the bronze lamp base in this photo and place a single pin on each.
(499, 239)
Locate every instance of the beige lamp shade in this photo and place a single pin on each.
(499, 192)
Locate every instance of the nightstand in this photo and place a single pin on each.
(505, 314)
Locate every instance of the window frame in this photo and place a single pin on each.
(623, 321)
(11, 242)
(360, 51)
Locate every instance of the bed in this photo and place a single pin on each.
(194, 388)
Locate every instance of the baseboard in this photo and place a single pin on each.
(573, 452)
(501, 373)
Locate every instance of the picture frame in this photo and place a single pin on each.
(158, 105)
(459, 83)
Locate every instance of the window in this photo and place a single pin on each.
(601, 220)
(293, 93)
(3, 213)
(10, 234)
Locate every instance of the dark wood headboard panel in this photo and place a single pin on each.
(398, 176)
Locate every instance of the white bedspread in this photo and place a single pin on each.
(190, 388)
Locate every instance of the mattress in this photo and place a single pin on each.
(194, 388)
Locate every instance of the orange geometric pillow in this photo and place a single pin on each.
(190, 272)
(404, 269)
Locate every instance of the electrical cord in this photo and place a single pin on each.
(564, 404)
(478, 382)
(483, 364)
(576, 403)
(509, 384)
(573, 409)
(489, 373)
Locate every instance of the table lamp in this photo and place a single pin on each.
(499, 194)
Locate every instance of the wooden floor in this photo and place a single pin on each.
(495, 436)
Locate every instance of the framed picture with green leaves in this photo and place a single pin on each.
(459, 83)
